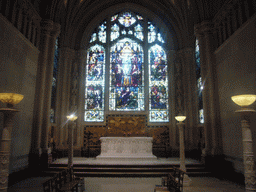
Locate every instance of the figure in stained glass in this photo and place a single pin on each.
(158, 65)
(158, 97)
(127, 98)
(95, 65)
(94, 97)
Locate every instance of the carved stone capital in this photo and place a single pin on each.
(56, 30)
(202, 28)
(46, 26)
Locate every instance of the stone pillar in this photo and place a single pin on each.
(70, 144)
(81, 56)
(248, 157)
(172, 122)
(5, 147)
(46, 28)
(186, 180)
(204, 33)
(179, 92)
(187, 56)
(66, 56)
(48, 89)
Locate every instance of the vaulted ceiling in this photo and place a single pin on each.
(180, 15)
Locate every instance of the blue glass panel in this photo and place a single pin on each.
(158, 85)
(113, 18)
(95, 83)
(151, 32)
(93, 37)
(96, 60)
(126, 76)
(158, 67)
(139, 17)
(138, 32)
(94, 95)
(159, 38)
(102, 32)
(159, 116)
(126, 19)
(158, 97)
(114, 32)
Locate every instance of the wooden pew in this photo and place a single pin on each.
(173, 182)
(63, 181)
(68, 181)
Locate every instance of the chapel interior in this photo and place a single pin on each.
(127, 68)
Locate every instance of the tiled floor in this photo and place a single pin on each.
(93, 184)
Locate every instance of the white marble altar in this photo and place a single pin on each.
(126, 148)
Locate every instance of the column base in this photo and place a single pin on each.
(186, 181)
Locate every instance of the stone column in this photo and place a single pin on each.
(204, 33)
(179, 92)
(187, 56)
(46, 28)
(249, 165)
(186, 181)
(70, 144)
(5, 147)
(66, 56)
(172, 122)
(48, 90)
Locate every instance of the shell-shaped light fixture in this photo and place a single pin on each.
(244, 100)
(72, 117)
(180, 118)
(11, 98)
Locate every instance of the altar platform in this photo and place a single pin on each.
(93, 167)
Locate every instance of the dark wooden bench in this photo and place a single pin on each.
(62, 181)
(173, 182)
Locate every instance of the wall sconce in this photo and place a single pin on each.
(11, 98)
(72, 117)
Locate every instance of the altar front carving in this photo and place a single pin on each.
(126, 148)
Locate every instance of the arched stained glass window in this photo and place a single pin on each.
(54, 82)
(95, 84)
(124, 51)
(200, 86)
(158, 84)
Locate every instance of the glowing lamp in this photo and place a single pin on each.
(11, 98)
(72, 117)
(180, 118)
(244, 100)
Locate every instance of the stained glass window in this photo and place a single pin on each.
(158, 85)
(126, 19)
(54, 82)
(126, 75)
(95, 84)
(200, 85)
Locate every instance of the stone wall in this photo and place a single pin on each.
(18, 66)
(236, 74)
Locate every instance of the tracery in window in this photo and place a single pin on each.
(126, 75)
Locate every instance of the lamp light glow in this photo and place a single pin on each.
(72, 117)
(180, 118)
(11, 98)
(244, 100)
